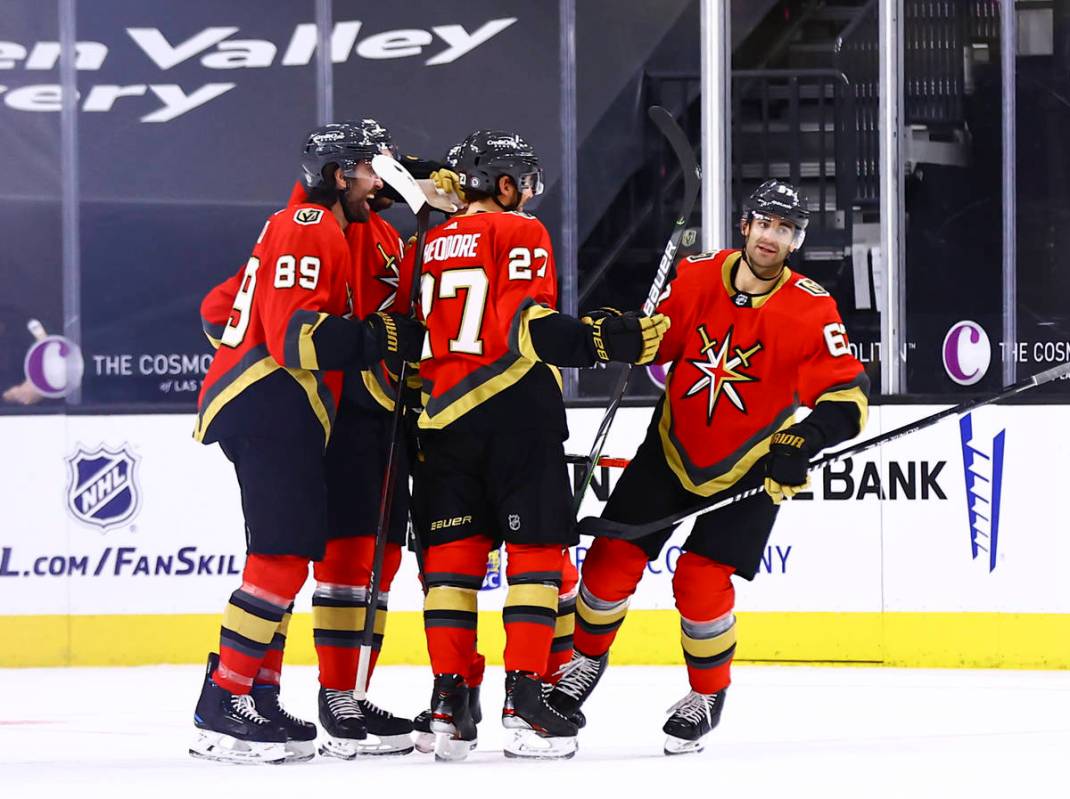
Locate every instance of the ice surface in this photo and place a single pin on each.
(786, 732)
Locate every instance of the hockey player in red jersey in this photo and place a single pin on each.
(751, 340)
(492, 463)
(269, 399)
(355, 463)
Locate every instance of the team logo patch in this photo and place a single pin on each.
(720, 371)
(308, 216)
(102, 486)
(811, 287)
(689, 238)
(514, 521)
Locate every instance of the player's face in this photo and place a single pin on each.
(361, 185)
(769, 241)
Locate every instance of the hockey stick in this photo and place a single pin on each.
(629, 532)
(401, 181)
(692, 183)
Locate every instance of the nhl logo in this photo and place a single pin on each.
(102, 488)
(514, 521)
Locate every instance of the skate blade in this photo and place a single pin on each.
(526, 743)
(682, 746)
(449, 749)
(299, 751)
(227, 749)
(372, 746)
(425, 742)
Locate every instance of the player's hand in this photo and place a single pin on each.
(448, 182)
(628, 338)
(400, 338)
(789, 461)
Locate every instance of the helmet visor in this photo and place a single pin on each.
(781, 230)
(531, 181)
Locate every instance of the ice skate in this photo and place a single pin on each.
(424, 740)
(536, 729)
(578, 678)
(230, 729)
(300, 734)
(451, 718)
(343, 724)
(691, 718)
(393, 735)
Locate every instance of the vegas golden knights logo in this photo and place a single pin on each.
(720, 370)
(308, 216)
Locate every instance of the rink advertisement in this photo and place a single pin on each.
(934, 549)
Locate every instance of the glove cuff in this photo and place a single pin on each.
(390, 332)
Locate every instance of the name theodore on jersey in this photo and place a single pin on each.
(216, 48)
(461, 245)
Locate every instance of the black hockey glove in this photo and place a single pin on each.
(628, 338)
(790, 451)
(398, 338)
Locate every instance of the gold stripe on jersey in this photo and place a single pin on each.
(852, 394)
(757, 300)
(492, 379)
(306, 346)
(373, 385)
(319, 398)
(224, 390)
(212, 332)
(709, 480)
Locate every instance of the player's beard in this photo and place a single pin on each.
(355, 202)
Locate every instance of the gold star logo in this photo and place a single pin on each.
(719, 371)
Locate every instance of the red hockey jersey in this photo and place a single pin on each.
(295, 278)
(485, 277)
(742, 364)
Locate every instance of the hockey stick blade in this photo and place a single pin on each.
(438, 199)
(677, 139)
(606, 528)
(399, 179)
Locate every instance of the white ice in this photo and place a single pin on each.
(786, 732)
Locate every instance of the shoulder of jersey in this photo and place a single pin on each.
(801, 285)
(706, 265)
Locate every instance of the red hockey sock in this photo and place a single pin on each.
(561, 648)
(611, 571)
(270, 672)
(475, 671)
(254, 615)
(530, 612)
(705, 598)
(339, 603)
(453, 573)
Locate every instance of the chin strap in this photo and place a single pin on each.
(756, 276)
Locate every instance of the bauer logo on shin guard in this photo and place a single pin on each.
(102, 486)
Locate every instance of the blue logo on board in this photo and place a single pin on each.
(982, 465)
(102, 486)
